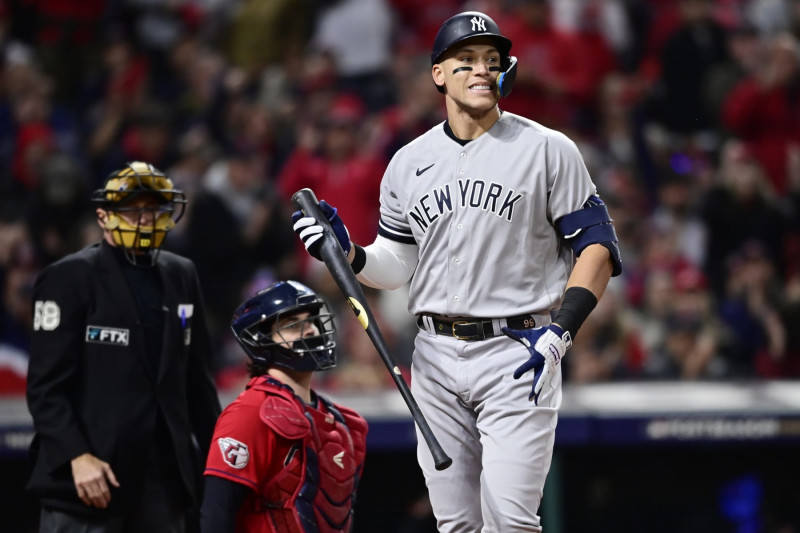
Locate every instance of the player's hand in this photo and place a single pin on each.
(310, 231)
(547, 346)
(91, 477)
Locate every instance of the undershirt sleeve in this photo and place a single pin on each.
(222, 499)
(389, 264)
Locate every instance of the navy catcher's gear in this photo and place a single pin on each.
(476, 24)
(591, 225)
(253, 322)
(547, 346)
(310, 232)
(124, 185)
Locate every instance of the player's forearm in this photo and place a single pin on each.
(592, 270)
(585, 287)
(385, 264)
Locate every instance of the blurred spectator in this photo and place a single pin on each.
(234, 226)
(261, 33)
(608, 347)
(676, 212)
(17, 269)
(553, 83)
(357, 35)
(64, 33)
(57, 206)
(693, 338)
(740, 207)
(15, 325)
(330, 159)
(751, 309)
(419, 108)
(764, 109)
(745, 54)
(360, 368)
(31, 124)
(696, 45)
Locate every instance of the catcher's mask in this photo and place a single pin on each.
(139, 227)
(471, 24)
(261, 327)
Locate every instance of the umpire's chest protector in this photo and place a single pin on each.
(315, 491)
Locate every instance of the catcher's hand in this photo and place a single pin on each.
(310, 232)
(547, 346)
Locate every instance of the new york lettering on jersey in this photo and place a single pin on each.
(491, 197)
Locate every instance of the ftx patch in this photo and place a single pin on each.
(103, 335)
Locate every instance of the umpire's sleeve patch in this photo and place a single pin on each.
(46, 315)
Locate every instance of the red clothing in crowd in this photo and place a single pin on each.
(351, 185)
(768, 119)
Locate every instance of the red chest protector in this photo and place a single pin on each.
(315, 491)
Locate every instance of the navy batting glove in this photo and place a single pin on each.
(310, 232)
(547, 346)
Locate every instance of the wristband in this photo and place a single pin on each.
(359, 260)
(578, 303)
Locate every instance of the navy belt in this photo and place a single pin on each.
(476, 329)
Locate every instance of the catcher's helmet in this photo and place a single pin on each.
(254, 326)
(131, 233)
(475, 24)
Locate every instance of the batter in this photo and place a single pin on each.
(497, 224)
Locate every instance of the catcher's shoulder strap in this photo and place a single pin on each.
(281, 410)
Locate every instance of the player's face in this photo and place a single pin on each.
(292, 327)
(469, 72)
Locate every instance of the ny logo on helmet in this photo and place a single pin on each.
(478, 24)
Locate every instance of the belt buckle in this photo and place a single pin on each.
(464, 323)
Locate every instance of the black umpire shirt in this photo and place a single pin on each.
(120, 365)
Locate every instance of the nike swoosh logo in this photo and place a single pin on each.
(419, 172)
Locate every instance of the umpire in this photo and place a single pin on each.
(119, 382)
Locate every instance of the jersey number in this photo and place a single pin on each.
(46, 315)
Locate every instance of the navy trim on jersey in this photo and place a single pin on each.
(395, 234)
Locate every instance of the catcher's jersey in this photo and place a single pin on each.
(483, 217)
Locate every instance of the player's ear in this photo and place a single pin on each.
(438, 75)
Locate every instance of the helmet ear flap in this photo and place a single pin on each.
(506, 79)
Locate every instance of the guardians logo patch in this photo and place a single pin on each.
(103, 335)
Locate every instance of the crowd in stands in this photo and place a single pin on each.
(687, 113)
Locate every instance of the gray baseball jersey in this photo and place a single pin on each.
(483, 217)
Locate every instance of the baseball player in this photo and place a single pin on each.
(498, 225)
(284, 459)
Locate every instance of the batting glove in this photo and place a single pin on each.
(547, 346)
(310, 232)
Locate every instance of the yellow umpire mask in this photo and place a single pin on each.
(142, 205)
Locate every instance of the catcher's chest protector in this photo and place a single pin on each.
(315, 491)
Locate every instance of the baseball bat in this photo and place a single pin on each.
(343, 275)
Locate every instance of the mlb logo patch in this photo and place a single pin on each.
(104, 335)
(235, 453)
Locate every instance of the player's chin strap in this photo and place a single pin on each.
(505, 81)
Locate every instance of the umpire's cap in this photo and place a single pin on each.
(464, 26)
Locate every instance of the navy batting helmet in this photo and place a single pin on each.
(475, 24)
(254, 326)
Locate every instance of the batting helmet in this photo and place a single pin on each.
(475, 24)
(258, 328)
(121, 188)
